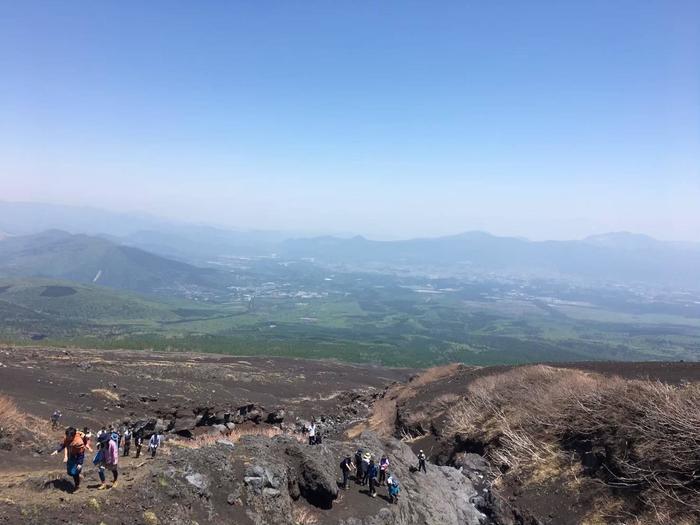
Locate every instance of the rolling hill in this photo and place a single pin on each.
(38, 308)
(86, 259)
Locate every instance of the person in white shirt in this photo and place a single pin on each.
(312, 433)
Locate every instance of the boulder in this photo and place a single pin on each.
(197, 480)
(184, 426)
(255, 416)
(256, 483)
(220, 428)
(316, 481)
(471, 461)
(276, 417)
(161, 426)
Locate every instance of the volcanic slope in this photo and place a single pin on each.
(235, 448)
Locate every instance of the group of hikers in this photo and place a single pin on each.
(108, 442)
(369, 472)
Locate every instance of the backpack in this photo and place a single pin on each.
(77, 446)
(99, 457)
(394, 489)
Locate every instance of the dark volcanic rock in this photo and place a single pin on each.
(276, 417)
(184, 426)
(316, 483)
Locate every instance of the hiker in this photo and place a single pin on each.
(345, 467)
(114, 434)
(127, 441)
(107, 458)
(358, 466)
(366, 457)
(383, 466)
(153, 444)
(100, 432)
(393, 487)
(372, 472)
(312, 433)
(55, 417)
(138, 441)
(73, 447)
(421, 461)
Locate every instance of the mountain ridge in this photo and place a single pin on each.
(89, 259)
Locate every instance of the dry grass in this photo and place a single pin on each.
(10, 418)
(235, 435)
(304, 516)
(150, 518)
(107, 394)
(530, 417)
(13, 420)
(605, 510)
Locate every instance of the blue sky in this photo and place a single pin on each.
(392, 119)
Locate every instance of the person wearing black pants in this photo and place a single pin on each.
(358, 466)
(421, 462)
(127, 441)
(345, 467)
(372, 478)
(138, 442)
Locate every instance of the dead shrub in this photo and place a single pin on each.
(648, 431)
(10, 417)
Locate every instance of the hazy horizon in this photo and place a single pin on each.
(543, 121)
(159, 223)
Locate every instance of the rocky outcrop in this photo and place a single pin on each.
(308, 469)
(298, 472)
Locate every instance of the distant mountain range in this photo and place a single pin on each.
(146, 254)
(621, 257)
(180, 240)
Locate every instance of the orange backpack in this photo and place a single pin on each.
(76, 447)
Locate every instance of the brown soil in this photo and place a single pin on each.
(94, 388)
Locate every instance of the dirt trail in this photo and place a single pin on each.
(48, 487)
(383, 418)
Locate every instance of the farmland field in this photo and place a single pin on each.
(362, 317)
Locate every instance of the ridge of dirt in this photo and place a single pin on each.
(383, 417)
